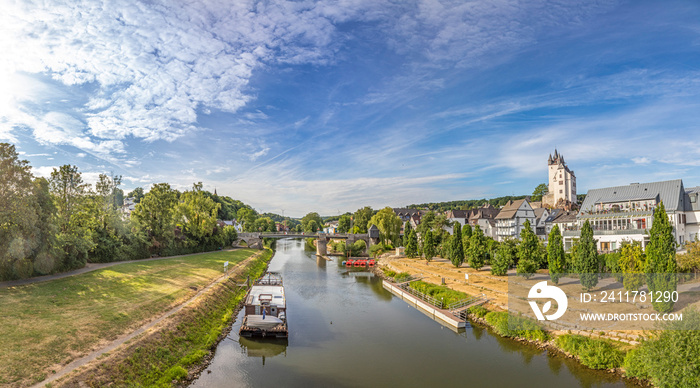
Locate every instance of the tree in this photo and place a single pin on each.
(540, 191)
(426, 223)
(586, 260)
(661, 264)
(18, 217)
(344, 223)
(406, 232)
(389, 225)
(505, 257)
(196, 215)
(690, 261)
(306, 222)
(528, 252)
(361, 217)
(412, 244)
(246, 216)
(75, 224)
(466, 235)
(477, 249)
(156, 215)
(632, 262)
(428, 246)
(556, 256)
(136, 194)
(455, 251)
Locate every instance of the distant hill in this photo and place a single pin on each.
(466, 204)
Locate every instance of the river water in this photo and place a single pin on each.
(345, 330)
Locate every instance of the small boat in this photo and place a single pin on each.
(265, 308)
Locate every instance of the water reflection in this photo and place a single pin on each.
(343, 316)
(263, 348)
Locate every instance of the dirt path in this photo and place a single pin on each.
(89, 267)
(121, 340)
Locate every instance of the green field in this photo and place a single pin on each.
(46, 325)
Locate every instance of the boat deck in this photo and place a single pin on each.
(279, 331)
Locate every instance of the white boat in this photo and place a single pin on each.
(265, 308)
(263, 322)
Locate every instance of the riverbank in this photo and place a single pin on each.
(176, 351)
(47, 326)
(591, 350)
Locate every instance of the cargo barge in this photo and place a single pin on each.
(265, 308)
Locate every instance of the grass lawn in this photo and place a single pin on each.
(46, 325)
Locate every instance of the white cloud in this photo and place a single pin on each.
(641, 160)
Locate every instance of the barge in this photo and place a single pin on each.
(265, 309)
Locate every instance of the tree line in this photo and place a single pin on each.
(61, 223)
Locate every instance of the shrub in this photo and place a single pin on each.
(402, 277)
(672, 358)
(443, 293)
(478, 311)
(388, 273)
(515, 326)
(593, 353)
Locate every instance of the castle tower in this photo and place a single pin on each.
(562, 183)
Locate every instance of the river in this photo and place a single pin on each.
(345, 330)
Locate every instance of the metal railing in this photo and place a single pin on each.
(425, 298)
(464, 302)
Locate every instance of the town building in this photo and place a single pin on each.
(511, 219)
(625, 213)
(561, 184)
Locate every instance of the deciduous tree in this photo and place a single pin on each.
(632, 262)
(389, 225)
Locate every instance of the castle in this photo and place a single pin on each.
(562, 184)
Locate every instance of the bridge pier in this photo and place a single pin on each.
(321, 245)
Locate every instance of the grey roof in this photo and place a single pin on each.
(553, 214)
(510, 209)
(694, 191)
(670, 192)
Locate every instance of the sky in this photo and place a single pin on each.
(328, 106)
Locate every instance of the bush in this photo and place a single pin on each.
(443, 293)
(635, 364)
(672, 358)
(593, 353)
(402, 277)
(388, 273)
(515, 326)
(478, 311)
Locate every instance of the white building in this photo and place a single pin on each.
(626, 213)
(561, 183)
(512, 217)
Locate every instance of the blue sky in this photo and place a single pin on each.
(298, 106)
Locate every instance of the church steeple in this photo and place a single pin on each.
(216, 195)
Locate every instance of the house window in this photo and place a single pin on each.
(561, 182)
(561, 191)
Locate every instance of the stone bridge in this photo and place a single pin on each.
(255, 239)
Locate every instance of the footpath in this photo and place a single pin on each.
(127, 337)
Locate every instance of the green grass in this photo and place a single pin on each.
(160, 360)
(593, 353)
(52, 323)
(443, 293)
(514, 326)
(478, 311)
